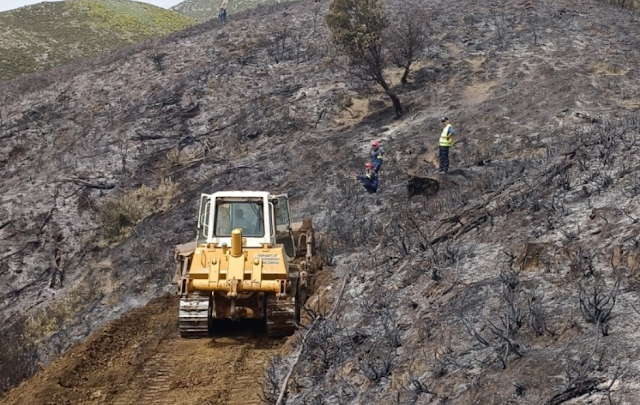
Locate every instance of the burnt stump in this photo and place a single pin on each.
(422, 185)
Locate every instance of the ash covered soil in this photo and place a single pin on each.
(515, 282)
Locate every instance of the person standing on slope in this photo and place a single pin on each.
(376, 156)
(222, 15)
(444, 143)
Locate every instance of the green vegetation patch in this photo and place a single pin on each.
(204, 10)
(131, 18)
(50, 34)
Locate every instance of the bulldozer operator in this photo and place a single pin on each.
(228, 223)
(239, 221)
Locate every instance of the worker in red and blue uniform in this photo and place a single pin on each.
(444, 144)
(369, 179)
(376, 156)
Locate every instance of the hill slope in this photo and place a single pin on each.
(482, 291)
(49, 34)
(204, 10)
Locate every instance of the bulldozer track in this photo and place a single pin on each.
(246, 365)
(153, 381)
(157, 372)
(193, 318)
(281, 317)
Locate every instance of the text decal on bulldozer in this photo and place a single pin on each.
(268, 258)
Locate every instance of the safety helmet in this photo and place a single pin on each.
(443, 119)
(374, 144)
(368, 165)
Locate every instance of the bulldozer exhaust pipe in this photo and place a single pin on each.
(236, 242)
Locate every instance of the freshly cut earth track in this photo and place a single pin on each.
(140, 358)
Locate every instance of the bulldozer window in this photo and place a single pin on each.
(282, 216)
(239, 214)
(203, 220)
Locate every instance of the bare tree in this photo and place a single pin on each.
(316, 13)
(416, 386)
(269, 385)
(357, 28)
(408, 37)
(596, 304)
(375, 361)
(57, 271)
(298, 38)
(279, 47)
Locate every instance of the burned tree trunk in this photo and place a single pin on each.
(397, 106)
(578, 389)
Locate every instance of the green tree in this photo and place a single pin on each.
(357, 30)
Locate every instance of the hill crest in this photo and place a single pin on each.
(45, 35)
(205, 10)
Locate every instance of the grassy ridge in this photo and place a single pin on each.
(629, 4)
(48, 34)
(204, 10)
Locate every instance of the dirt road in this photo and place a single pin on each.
(141, 359)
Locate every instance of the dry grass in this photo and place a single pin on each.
(120, 215)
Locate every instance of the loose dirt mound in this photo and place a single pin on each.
(140, 358)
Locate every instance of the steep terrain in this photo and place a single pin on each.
(515, 282)
(205, 10)
(50, 34)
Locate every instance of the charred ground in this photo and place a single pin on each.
(483, 292)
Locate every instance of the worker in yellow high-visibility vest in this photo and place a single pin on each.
(444, 143)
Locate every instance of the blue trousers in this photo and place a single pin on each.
(444, 158)
(371, 188)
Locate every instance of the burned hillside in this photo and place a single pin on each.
(515, 282)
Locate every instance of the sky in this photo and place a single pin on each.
(11, 4)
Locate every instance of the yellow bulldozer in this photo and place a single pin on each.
(249, 261)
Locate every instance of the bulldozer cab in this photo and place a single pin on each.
(222, 212)
(263, 218)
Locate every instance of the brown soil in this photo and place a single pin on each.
(140, 358)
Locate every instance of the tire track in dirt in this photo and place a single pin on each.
(152, 382)
(245, 369)
(157, 372)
